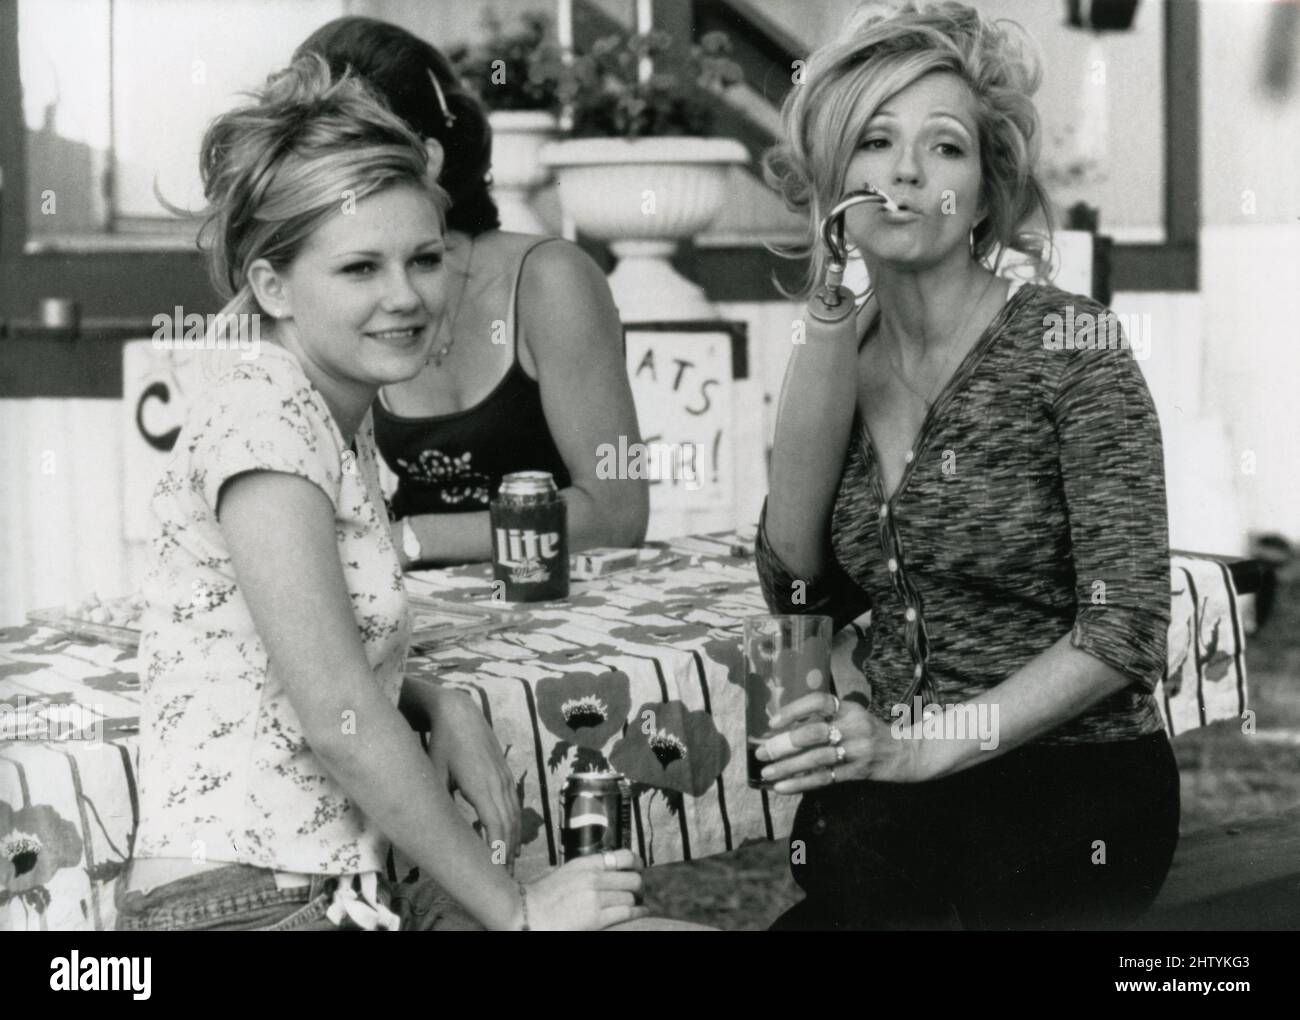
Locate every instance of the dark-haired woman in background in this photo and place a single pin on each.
(527, 369)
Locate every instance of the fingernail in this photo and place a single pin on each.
(766, 773)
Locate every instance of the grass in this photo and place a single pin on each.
(1227, 777)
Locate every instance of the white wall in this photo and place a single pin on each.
(61, 512)
(1250, 263)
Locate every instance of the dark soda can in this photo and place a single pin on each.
(530, 538)
(596, 813)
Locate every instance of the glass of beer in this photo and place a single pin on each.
(786, 657)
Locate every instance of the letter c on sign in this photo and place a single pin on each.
(167, 440)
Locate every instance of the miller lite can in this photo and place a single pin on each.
(596, 813)
(530, 538)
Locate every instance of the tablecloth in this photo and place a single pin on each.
(640, 670)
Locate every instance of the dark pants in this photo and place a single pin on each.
(1043, 837)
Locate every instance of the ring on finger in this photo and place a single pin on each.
(840, 754)
(832, 772)
(834, 736)
(610, 859)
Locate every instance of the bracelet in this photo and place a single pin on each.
(523, 904)
(410, 541)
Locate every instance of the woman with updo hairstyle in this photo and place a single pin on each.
(279, 759)
(977, 463)
(526, 371)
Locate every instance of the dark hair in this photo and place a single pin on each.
(396, 64)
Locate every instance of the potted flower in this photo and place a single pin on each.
(515, 74)
(637, 169)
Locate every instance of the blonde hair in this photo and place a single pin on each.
(882, 50)
(275, 170)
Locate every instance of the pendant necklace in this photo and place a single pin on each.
(437, 356)
(928, 399)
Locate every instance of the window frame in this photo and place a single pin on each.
(114, 277)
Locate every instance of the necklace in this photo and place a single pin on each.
(437, 356)
(928, 398)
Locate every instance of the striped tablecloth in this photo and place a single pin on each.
(641, 670)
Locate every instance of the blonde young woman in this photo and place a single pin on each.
(526, 371)
(996, 499)
(278, 760)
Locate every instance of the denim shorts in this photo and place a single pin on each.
(240, 897)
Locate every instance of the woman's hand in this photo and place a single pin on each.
(848, 743)
(463, 747)
(587, 894)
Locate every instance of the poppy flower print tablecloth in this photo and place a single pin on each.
(641, 671)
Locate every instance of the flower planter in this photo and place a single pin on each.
(517, 173)
(643, 196)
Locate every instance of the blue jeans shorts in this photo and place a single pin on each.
(240, 897)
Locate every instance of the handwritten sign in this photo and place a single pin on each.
(682, 381)
(157, 388)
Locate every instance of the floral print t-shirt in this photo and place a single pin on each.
(225, 769)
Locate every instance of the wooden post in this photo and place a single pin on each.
(676, 18)
(564, 38)
(564, 28)
(644, 23)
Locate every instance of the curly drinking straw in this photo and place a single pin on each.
(833, 302)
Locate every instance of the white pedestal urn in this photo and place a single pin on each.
(517, 173)
(643, 196)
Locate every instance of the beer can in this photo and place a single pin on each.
(530, 538)
(596, 813)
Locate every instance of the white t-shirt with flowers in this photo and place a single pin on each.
(225, 769)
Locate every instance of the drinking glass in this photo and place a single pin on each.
(786, 657)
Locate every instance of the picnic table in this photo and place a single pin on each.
(640, 670)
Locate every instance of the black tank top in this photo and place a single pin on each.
(454, 463)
